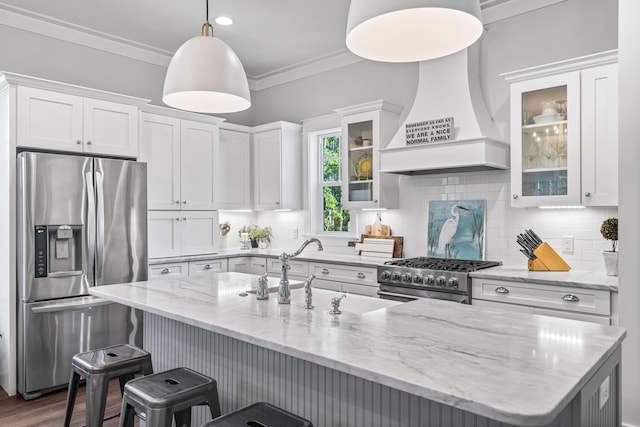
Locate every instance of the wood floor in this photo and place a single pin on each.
(48, 410)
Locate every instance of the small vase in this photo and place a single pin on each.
(262, 245)
(254, 243)
(610, 262)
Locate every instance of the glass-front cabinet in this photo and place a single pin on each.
(545, 143)
(365, 129)
(564, 132)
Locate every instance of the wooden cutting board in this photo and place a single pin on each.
(397, 248)
(377, 228)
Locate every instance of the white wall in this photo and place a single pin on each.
(629, 174)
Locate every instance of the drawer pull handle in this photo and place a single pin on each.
(325, 271)
(361, 275)
(166, 271)
(288, 267)
(502, 290)
(570, 298)
(207, 267)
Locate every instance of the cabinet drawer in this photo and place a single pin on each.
(207, 266)
(296, 268)
(593, 318)
(179, 269)
(348, 274)
(591, 301)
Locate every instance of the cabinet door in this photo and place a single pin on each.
(600, 136)
(240, 264)
(233, 171)
(164, 234)
(258, 265)
(198, 146)
(160, 148)
(199, 233)
(49, 120)
(360, 189)
(110, 128)
(267, 178)
(545, 141)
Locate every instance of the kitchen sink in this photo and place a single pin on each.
(355, 304)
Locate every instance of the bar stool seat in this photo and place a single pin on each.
(259, 414)
(163, 395)
(99, 367)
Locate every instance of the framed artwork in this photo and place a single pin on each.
(456, 229)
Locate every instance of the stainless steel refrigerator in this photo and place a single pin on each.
(82, 222)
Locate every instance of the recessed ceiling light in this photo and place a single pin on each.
(223, 20)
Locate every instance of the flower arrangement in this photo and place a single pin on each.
(257, 233)
(609, 231)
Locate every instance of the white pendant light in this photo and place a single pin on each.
(411, 30)
(206, 76)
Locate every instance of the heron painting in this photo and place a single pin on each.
(456, 229)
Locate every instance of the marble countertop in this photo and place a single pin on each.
(572, 278)
(512, 367)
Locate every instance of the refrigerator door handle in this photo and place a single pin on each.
(90, 220)
(99, 223)
(78, 305)
(66, 273)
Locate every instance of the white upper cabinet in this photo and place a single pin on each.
(564, 133)
(64, 122)
(277, 150)
(233, 174)
(366, 128)
(198, 160)
(182, 160)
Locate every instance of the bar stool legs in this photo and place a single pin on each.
(99, 367)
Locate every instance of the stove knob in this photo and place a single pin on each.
(386, 275)
(453, 283)
(395, 276)
(406, 277)
(441, 281)
(418, 279)
(428, 280)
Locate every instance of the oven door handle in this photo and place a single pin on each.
(383, 294)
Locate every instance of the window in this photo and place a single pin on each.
(334, 218)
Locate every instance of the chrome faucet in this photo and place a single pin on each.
(308, 297)
(284, 294)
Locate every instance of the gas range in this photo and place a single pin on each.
(422, 277)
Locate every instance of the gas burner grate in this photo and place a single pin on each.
(445, 264)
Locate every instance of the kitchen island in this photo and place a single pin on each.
(422, 363)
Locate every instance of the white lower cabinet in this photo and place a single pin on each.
(590, 305)
(176, 233)
(298, 270)
(173, 269)
(342, 278)
(249, 265)
(208, 266)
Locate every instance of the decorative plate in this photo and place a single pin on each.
(364, 167)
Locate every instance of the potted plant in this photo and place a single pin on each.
(609, 231)
(259, 236)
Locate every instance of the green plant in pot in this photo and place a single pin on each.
(609, 231)
(259, 236)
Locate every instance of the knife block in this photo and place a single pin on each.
(547, 260)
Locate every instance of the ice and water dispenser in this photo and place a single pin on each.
(58, 250)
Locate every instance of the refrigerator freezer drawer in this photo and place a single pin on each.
(54, 331)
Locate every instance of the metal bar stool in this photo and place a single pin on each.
(99, 367)
(166, 394)
(260, 414)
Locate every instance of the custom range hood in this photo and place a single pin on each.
(448, 87)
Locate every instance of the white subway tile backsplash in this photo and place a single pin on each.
(503, 221)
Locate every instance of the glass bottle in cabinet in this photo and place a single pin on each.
(545, 120)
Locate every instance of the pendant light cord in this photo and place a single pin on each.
(206, 26)
(207, 10)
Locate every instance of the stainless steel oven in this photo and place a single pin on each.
(409, 279)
